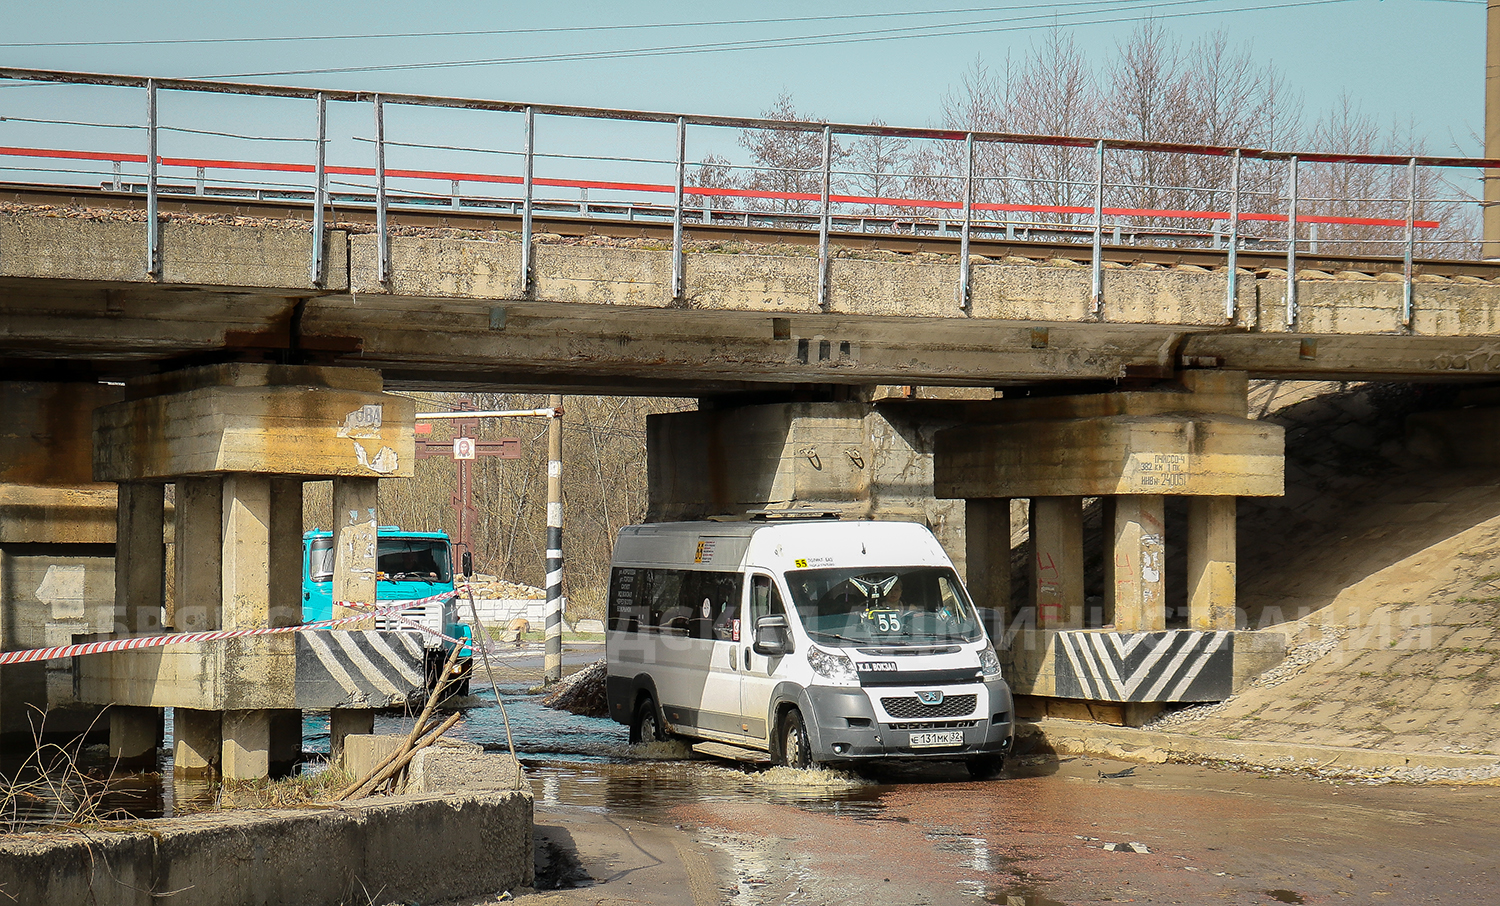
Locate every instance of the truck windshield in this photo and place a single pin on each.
(885, 605)
(398, 559)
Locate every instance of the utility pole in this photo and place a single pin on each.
(1491, 248)
(553, 658)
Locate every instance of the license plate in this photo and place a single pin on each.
(929, 740)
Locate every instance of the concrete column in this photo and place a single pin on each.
(133, 734)
(285, 551)
(987, 553)
(1138, 563)
(354, 543)
(246, 546)
(344, 722)
(1211, 562)
(247, 745)
(140, 557)
(354, 566)
(198, 606)
(285, 607)
(1107, 510)
(261, 523)
(140, 590)
(197, 739)
(1057, 561)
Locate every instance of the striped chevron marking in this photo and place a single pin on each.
(388, 662)
(28, 655)
(1178, 665)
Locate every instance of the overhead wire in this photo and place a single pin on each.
(835, 38)
(630, 26)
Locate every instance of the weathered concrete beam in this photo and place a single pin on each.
(57, 515)
(757, 457)
(250, 426)
(1092, 457)
(312, 670)
(216, 255)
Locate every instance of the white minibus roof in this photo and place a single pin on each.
(780, 546)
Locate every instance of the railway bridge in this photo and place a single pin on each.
(937, 363)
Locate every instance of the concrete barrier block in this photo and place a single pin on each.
(363, 751)
(394, 849)
(49, 868)
(445, 769)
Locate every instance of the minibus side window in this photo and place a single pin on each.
(668, 614)
(765, 599)
(714, 599)
(625, 609)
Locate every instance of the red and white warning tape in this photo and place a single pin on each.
(156, 641)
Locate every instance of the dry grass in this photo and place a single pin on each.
(301, 791)
(49, 789)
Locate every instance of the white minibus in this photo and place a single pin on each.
(806, 641)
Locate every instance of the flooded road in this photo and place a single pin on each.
(1049, 831)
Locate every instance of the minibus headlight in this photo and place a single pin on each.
(989, 665)
(836, 667)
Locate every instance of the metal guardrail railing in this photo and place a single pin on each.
(973, 215)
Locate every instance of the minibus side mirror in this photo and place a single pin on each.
(771, 636)
(468, 563)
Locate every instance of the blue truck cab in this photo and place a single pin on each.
(410, 566)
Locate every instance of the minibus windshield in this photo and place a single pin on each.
(885, 605)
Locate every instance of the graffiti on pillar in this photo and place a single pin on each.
(363, 422)
(1180, 665)
(1048, 589)
(1163, 471)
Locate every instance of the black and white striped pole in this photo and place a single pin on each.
(554, 543)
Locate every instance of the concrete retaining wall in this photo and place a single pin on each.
(401, 849)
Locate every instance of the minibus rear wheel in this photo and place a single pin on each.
(796, 748)
(646, 727)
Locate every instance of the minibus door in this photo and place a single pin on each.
(759, 677)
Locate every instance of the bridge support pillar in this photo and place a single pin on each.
(343, 723)
(1211, 562)
(140, 595)
(987, 535)
(354, 544)
(1130, 450)
(1057, 562)
(238, 441)
(57, 537)
(1137, 567)
(197, 738)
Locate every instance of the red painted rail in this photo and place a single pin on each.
(699, 191)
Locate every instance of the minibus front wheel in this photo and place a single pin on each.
(646, 726)
(985, 767)
(796, 746)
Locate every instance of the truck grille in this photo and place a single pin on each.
(907, 707)
(933, 725)
(427, 616)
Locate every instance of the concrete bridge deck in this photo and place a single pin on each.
(75, 298)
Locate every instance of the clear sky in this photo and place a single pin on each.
(1399, 59)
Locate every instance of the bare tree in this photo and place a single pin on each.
(714, 172)
(875, 163)
(786, 161)
(1346, 190)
